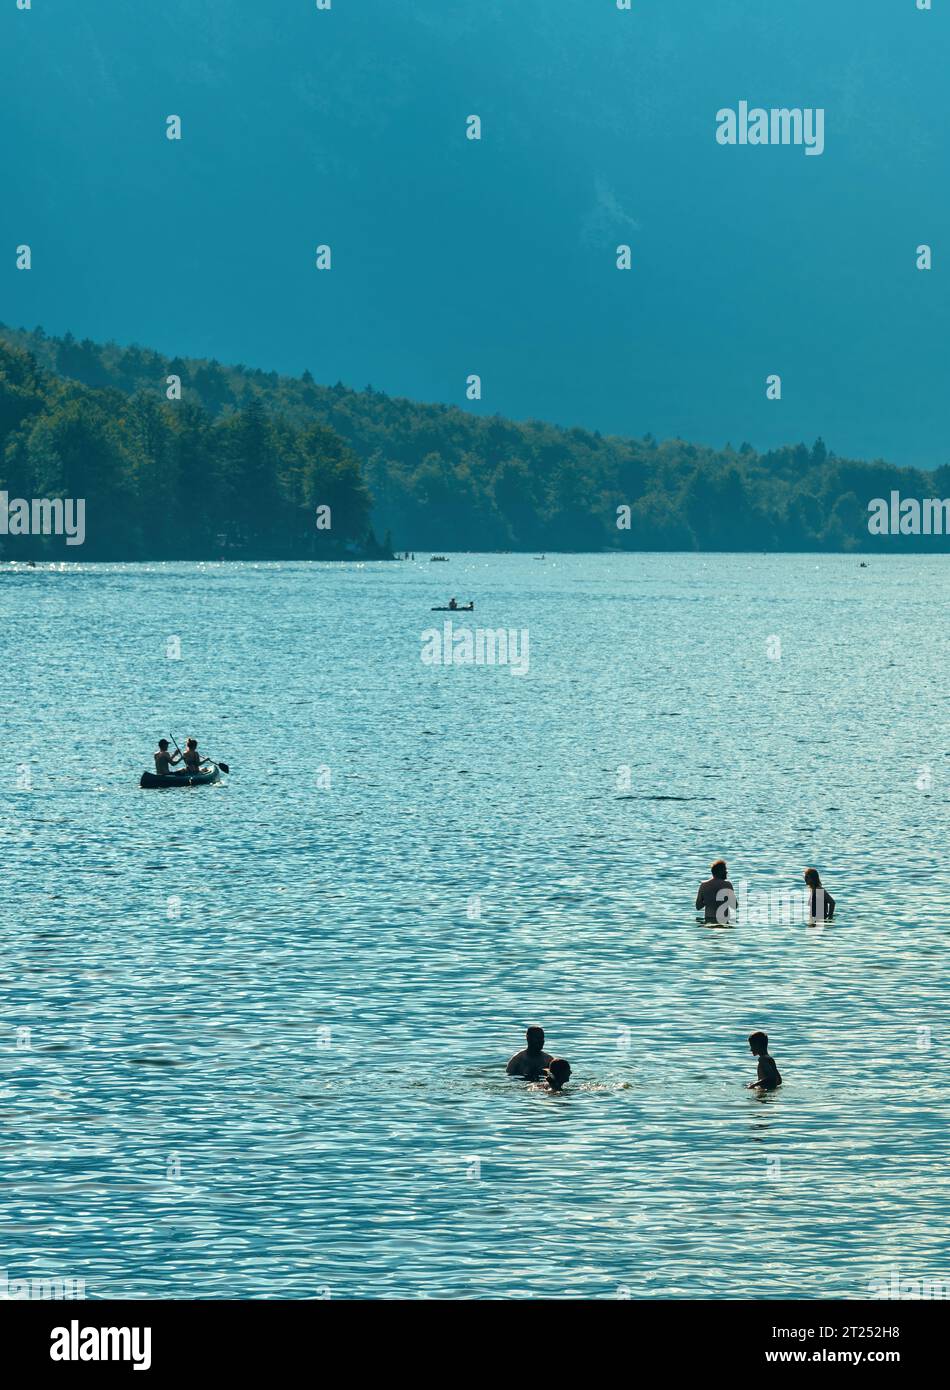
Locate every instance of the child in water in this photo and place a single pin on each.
(768, 1072)
(557, 1074)
(821, 905)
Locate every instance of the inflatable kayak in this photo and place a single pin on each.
(181, 779)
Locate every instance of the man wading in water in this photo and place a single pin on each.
(531, 1062)
(716, 898)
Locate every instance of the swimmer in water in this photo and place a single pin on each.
(821, 905)
(768, 1072)
(533, 1059)
(716, 898)
(558, 1074)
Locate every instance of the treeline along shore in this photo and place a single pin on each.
(180, 458)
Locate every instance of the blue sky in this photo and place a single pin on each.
(450, 256)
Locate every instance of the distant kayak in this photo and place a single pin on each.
(459, 608)
(432, 558)
(175, 779)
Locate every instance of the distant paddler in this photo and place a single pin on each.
(164, 761)
(194, 762)
(191, 758)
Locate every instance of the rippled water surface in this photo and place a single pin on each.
(253, 1036)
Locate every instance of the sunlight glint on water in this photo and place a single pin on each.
(293, 1082)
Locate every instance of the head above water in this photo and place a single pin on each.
(535, 1039)
(759, 1043)
(718, 869)
(812, 878)
(558, 1073)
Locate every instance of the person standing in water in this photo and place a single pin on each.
(716, 898)
(768, 1077)
(531, 1062)
(821, 905)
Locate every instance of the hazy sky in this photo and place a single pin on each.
(452, 256)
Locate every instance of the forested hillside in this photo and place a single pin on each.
(239, 464)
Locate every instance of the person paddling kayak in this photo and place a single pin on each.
(163, 759)
(191, 757)
(196, 770)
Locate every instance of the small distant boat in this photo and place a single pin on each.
(433, 558)
(181, 779)
(459, 608)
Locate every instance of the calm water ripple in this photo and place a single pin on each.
(253, 1036)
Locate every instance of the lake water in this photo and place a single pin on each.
(253, 1036)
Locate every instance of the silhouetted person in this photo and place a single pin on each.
(768, 1073)
(821, 905)
(164, 759)
(716, 898)
(191, 758)
(557, 1074)
(531, 1062)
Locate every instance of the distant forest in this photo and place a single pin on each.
(239, 464)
